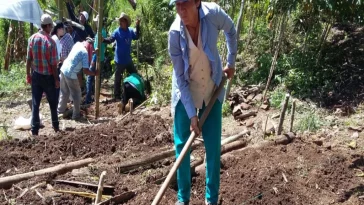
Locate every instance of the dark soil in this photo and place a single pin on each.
(315, 174)
(130, 137)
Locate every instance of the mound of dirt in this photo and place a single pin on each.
(130, 137)
(298, 173)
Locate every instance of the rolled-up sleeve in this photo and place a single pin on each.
(226, 24)
(175, 53)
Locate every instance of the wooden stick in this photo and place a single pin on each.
(246, 115)
(130, 165)
(101, 187)
(188, 144)
(283, 113)
(292, 115)
(7, 182)
(98, 61)
(127, 114)
(234, 137)
(77, 183)
(118, 199)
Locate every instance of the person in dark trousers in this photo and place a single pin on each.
(123, 37)
(79, 35)
(134, 88)
(42, 72)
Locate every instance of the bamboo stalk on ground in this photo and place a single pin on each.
(292, 115)
(283, 113)
(7, 182)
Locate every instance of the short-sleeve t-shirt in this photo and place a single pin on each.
(76, 60)
(123, 40)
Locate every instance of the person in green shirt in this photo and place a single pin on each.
(134, 88)
(90, 79)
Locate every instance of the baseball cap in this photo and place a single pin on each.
(173, 1)
(46, 19)
(85, 14)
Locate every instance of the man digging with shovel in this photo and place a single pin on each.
(197, 71)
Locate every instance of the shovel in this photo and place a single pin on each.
(188, 144)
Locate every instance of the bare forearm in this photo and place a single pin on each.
(28, 66)
(88, 72)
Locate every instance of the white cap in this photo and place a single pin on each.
(46, 19)
(85, 14)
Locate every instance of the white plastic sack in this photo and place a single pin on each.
(24, 124)
(21, 10)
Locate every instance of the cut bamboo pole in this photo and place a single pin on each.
(292, 115)
(100, 188)
(8, 48)
(188, 143)
(7, 182)
(283, 113)
(98, 63)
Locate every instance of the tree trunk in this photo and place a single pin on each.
(239, 28)
(8, 47)
(274, 62)
(60, 9)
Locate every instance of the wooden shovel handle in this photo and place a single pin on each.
(188, 144)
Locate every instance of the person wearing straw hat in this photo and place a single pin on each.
(123, 37)
(197, 72)
(90, 79)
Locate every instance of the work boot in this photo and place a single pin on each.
(182, 203)
(121, 108)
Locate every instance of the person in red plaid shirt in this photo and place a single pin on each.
(42, 74)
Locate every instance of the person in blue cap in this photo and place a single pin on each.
(197, 71)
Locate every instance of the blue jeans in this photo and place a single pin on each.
(90, 87)
(211, 132)
(43, 83)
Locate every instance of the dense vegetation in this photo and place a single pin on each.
(314, 46)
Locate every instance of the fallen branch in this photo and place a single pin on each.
(100, 188)
(77, 183)
(7, 182)
(246, 115)
(145, 160)
(234, 137)
(118, 199)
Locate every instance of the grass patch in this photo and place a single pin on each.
(311, 122)
(13, 81)
(226, 109)
(277, 97)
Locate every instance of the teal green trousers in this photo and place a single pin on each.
(211, 132)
